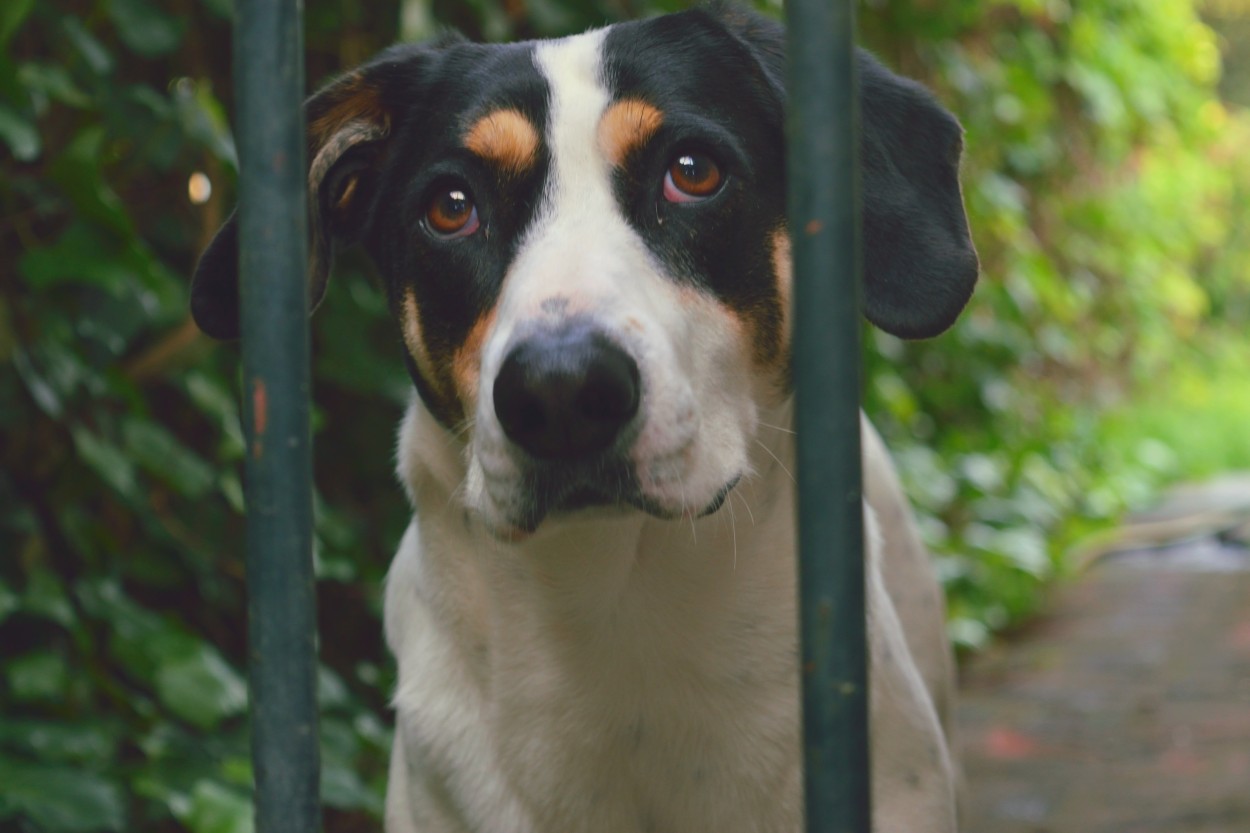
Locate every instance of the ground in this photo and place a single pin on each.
(1126, 708)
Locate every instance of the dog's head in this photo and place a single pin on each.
(584, 245)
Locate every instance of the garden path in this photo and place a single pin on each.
(1126, 707)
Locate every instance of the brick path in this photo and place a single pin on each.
(1126, 709)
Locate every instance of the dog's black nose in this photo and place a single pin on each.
(566, 394)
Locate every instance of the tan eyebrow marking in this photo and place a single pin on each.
(506, 138)
(626, 126)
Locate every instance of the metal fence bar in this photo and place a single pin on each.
(273, 243)
(824, 229)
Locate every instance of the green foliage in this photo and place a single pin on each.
(1109, 194)
(1202, 408)
(121, 593)
(1109, 209)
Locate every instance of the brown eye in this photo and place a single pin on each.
(692, 176)
(452, 213)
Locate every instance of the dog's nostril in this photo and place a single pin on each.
(610, 392)
(566, 394)
(528, 415)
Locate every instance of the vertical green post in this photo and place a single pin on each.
(273, 243)
(824, 229)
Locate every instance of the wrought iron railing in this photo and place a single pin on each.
(823, 135)
(273, 259)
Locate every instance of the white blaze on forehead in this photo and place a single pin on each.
(580, 247)
(580, 180)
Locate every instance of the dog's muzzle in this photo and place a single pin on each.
(570, 409)
(567, 399)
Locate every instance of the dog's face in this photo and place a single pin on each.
(584, 244)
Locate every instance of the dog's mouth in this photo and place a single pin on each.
(554, 491)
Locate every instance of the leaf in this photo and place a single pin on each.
(331, 691)
(9, 602)
(223, 9)
(54, 372)
(202, 688)
(82, 255)
(41, 675)
(204, 119)
(12, 14)
(106, 460)
(45, 597)
(218, 809)
(54, 81)
(144, 28)
(86, 741)
(232, 490)
(141, 640)
(218, 401)
(19, 134)
(343, 788)
(78, 171)
(161, 454)
(90, 49)
(44, 394)
(341, 785)
(58, 799)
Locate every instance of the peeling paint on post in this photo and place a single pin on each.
(260, 416)
(824, 217)
(269, 91)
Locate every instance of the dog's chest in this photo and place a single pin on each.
(638, 696)
(666, 714)
(687, 759)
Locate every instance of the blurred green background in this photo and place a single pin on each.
(1104, 356)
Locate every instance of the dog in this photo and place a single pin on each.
(585, 252)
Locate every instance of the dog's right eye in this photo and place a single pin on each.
(451, 213)
(691, 177)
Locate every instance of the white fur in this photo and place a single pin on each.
(615, 672)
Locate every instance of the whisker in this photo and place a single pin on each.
(689, 513)
(778, 459)
(746, 505)
(465, 426)
(459, 491)
(775, 427)
(733, 529)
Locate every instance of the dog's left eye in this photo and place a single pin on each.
(691, 177)
(451, 213)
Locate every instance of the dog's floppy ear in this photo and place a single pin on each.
(348, 124)
(919, 262)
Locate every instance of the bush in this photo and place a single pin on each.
(1108, 204)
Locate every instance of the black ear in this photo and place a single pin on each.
(919, 262)
(348, 124)
(215, 285)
